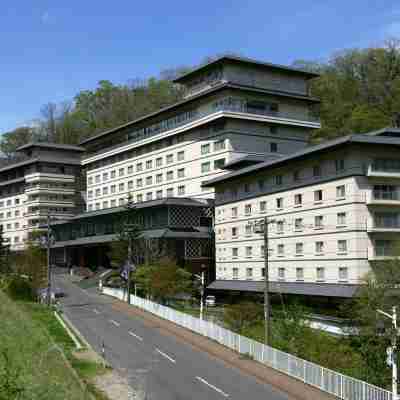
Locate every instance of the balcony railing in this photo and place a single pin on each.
(385, 195)
(235, 105)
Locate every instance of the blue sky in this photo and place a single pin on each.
(50, 50)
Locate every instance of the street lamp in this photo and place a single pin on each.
(262, 227)
(129, 230)
(391, 351)
(201, 279)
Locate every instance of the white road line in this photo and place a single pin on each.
(114, 322)
(96, 311)
(165, 355)
(136, 336)
(212, 386)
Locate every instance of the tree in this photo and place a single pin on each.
(243, 315)
(4, 254)
(11, 140)
(163, 280)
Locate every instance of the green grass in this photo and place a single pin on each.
(37, 349)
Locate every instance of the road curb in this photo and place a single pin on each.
(71, 334)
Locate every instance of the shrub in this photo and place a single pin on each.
(19, 288)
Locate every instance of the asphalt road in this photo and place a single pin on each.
(160, 365)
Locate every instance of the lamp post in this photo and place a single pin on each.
(391, 351)
(129, 230)
(202, 282)
(263, 228)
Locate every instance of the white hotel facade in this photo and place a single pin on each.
(332, 210)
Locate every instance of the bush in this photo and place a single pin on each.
(19, 288)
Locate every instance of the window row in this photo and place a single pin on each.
(9, 214)
(10, 226)
(9, 202)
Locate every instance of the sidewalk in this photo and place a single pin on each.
(295, 389)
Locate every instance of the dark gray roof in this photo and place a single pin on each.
(360, 139)
(245, 60)
(51, 146)
(215, 88)
(174, 234)
(86, 240)
(248, 159)
(299, 288)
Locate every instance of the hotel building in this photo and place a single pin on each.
(332, 210)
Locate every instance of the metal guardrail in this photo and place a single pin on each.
(342, 386)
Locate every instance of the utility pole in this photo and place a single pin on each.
(391, 351)
(129, 269)
(48, 261)
(202, 295)
(267, 307)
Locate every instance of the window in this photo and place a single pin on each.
(139, 198)
(263, 272)
(262, 251)
(16, 225)
(298, 224)
(279, 202)
(316, 170)
(130, 169)
(247, 188)
(16, 202)
(342, 246)
(130, 185)
(97, 192)
(296, 176)
(105, 176)
(16, 213)
(205, 167)
(181, 156)
(205, 148)
(139, 167)
(249, 273)
(318, 221)
(8, 214)
(159, 194)
(139, 182)
(97, 206)
(90, 207)
(158, 178)
(299, 274)
(339, 165)
(105, 204)
(121, 201)
(383, 248)
(9, 202)
(279, 227)
(341, 218)
(8, 226)
(181, 172)
(248, 230)
(113, 188)
(273, 147)
(170, 175)
(234, 211)
(299, 248)
(219, 145)
(149, 180)
(90, 180)
(281, 273)
(113, 174)
(318, 195)
(170, 158)
(247, 209)
(105, 190)
(235, 273)
(90, 194)
(343, 274)
(278, 180)
(298, 199)
(16, 239)
(159, 162)
(170, 192)
(234, 231)
(149, 196)
(263, 206)
(121, 187)
(340, 191)
(121, 172)
(219, 164)
(386, 220)
(113, 203)
(261, 184)
(385, 192)
(320, 274)
(97, 178)
(249, 251)
(319, 247)
(235, 252)
(181, 190)
(281, 249)
(149, 164)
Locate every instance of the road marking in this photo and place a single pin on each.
(96, 311)
(212, 386)
(114, 322)
(165, 355)
(136, 336)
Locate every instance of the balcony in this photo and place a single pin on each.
(230, 106)
(42, 188)
(385, 168)
(384, 197)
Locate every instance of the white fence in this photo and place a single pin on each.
(342, 386)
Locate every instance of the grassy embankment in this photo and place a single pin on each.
(37, 360)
